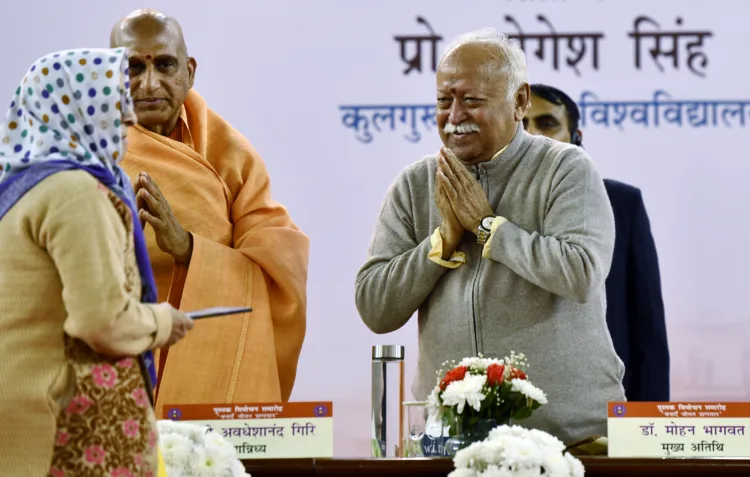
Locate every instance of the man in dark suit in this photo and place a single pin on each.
(635, 311)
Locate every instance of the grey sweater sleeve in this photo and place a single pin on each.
(572, 256)
(397, 276)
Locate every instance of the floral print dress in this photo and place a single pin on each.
(71, 110)
(108, 427)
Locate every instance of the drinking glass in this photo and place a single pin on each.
(415, 420)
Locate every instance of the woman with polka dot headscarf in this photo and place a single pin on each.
(78, 318)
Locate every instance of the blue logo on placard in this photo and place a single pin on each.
(174, 414)
(320, 411)
(619, 410)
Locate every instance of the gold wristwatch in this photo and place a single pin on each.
(484, 230)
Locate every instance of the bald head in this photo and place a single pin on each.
(161, 72)
(147, 23)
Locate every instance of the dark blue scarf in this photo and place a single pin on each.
(17, 185)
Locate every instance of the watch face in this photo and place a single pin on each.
(487, 222)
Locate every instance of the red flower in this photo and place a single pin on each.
(79, 405)
(95, 455)
(104, 376)
(126, 363)
(140, 396)
(121, 472)
(516, 373)
(130, 428)
(495, 374)
(62, 438)
(455, 374)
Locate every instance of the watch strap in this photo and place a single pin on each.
(483, 233)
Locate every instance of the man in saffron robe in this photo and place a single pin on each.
(215, 236)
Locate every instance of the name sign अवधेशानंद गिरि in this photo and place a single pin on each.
(265, 430)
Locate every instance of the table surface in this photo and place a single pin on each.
(436, 467)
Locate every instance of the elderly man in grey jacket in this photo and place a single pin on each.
(502, 241)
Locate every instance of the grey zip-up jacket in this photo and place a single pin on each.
(540, 292)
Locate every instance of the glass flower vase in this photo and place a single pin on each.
(468, 434)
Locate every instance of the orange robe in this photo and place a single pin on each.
(246, 252)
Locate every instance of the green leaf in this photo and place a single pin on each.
(449, 418)
(522, 413)
(472, 421)
(505, 391)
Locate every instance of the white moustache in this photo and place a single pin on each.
(462, 128)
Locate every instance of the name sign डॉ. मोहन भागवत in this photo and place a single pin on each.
(678, 429)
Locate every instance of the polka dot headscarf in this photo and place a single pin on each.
(69, 105)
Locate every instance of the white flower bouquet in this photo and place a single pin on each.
(484, 388)
(190, 450)
(512, 451)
